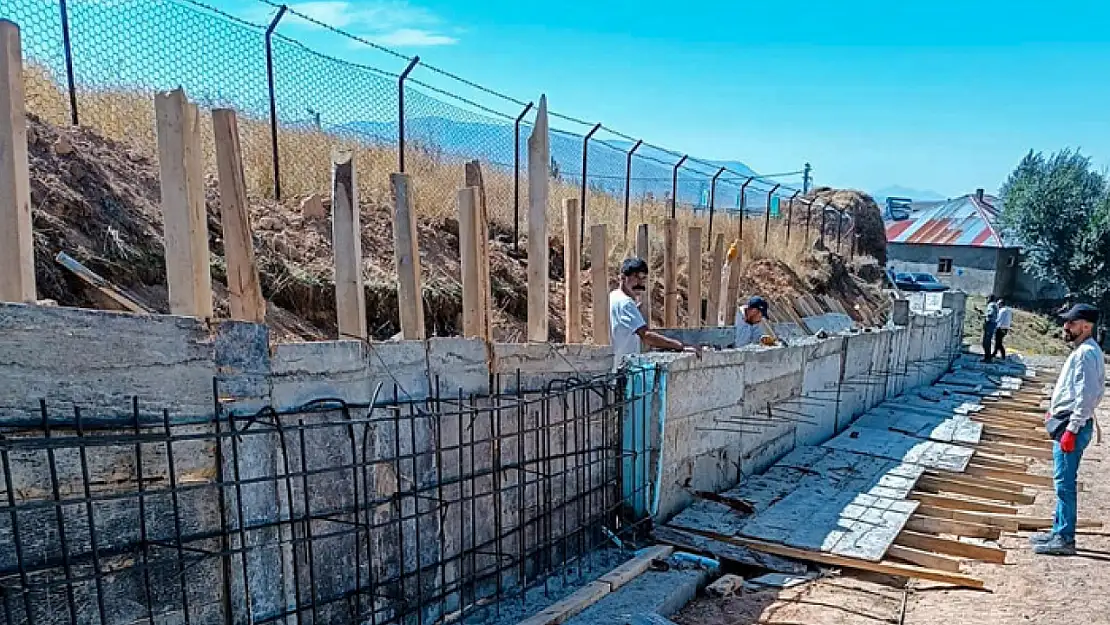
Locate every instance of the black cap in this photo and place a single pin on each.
(1081, 312)
(759, 304)
(633, 266)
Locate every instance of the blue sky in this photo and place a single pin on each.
(945, 96)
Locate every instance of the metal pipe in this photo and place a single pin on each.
(674, 184)
(712, 206)
(273, 99)
(767, 215)
(790, 215)
(71, 82)
(628, 185)
(516, 177)
(401, 113)
(582, 202)
(743, 206)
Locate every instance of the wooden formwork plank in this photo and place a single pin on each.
(599, 272)
(950, 547)
(572, 264)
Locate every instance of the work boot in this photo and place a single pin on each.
(1042, 538)
(1056, 547)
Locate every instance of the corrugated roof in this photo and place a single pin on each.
(964, 220)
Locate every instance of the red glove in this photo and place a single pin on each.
(1067, 442)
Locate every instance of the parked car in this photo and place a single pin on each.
(918, 282)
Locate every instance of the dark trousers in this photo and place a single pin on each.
(988, 336)
(999, 348)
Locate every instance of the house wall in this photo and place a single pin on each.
(974, 269)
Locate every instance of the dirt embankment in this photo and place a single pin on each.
(98, 200)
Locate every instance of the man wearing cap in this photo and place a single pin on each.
(748, 320)
(627, 324)
(1079, 389)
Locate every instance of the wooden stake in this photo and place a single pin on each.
(350, 296)
(670, 273)
(243, 285)
(572, 264)
(17, 243)
(185, 221)
(473, 175)
(693, 271)
(406, 256)
(599, 268)
(713, 307)
(469, 207)
(733, 293)
(539, 177)
(643, 251)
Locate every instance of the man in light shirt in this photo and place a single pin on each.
(990, 322)
(628, 327)
(1002, 328)
(749, 323)
(1079, 389)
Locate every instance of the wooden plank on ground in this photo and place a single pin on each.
(727, 552)
(958, 503)
(713, 306)
(1006, 523)
(113, 295)
(1011, 449)
(947, 546)
(346, 227)
(243, 284)
(539, 177)
(924, 558)
(406, 257)
(563, 610)
(468, 206)
(885, 567)
(633, 568)
(599, 268)
(572, 266)
(17, 242)
(1043, 481)
(932, 525)
(944, 485)
(694, 277)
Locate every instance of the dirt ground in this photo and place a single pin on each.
(1028, 589)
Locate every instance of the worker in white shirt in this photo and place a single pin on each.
(628, 327)
(749, 324)
(1002, 328)
(1071, 421)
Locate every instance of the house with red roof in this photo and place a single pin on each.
(960, 242)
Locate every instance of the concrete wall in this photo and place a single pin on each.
(735, 412)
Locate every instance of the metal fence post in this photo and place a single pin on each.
(628, 186)
(273, 99)
(712, 206)
(585, 158)
(401, 113)
(71, 81)
(809, 213)
(516, 177)
(767, 216)
(790, 215)
(744, 206)
(674, 184)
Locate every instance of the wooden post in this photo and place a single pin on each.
(473, 177)
(733, 291)
(643, 251)
(243, 285)
(693, 271)
(346, 237)
(599, 268)
(407, 258)
(183, 212)
(572, 259)
(17, 244)
(539, 176)
(469, 207)
(713, 308)
(670, 273)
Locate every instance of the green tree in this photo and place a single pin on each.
(1058, 208)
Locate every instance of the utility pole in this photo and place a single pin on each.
(805, 179)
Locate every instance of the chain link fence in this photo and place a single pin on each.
(99, 64)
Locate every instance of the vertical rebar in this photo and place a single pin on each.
(516, 180)
(401, 113)
(712, 206)
(674, 184)
(90, 514)
(59, 517)
(71, 81)
(273, 99)
(585, 174)
(628, 186)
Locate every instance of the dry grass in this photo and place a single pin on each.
(306, 155)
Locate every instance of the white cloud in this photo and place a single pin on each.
(412, 37)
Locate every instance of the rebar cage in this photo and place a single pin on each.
(395, 511)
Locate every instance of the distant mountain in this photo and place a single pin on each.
(652, 168)
(881, 195)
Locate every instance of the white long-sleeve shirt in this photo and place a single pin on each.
(1005, 318)
(746, 333)
(1081, 384)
